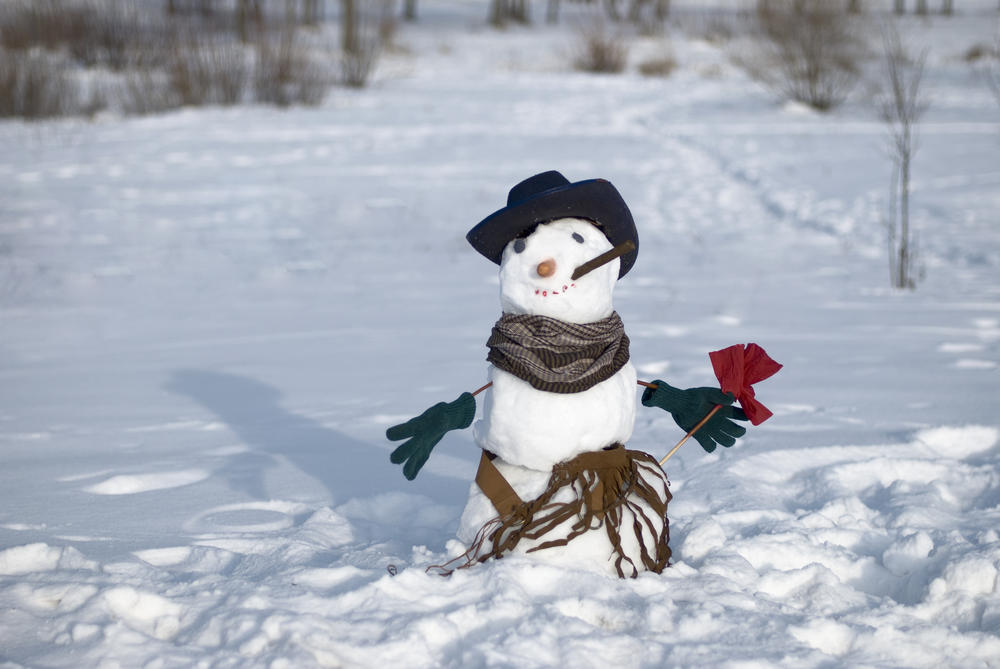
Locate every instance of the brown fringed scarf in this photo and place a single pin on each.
(605, 484)
(557, 356)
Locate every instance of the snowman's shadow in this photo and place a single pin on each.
(347, 467)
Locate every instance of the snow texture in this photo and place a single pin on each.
(208, 318)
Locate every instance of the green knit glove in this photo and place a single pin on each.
(424, 432)
(688, 407)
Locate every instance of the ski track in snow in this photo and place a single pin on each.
(210, 317)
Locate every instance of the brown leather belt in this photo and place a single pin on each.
(493, 484)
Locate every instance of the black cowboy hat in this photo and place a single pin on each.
(548, 196)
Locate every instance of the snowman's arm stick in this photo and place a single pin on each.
(687, 436)
(482, 389)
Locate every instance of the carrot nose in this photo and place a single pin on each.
(546, 268)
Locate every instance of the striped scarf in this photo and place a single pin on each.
(557, 356)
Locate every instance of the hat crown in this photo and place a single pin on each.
(550, 196)
(536, 185)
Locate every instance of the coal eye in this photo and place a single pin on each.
(578, 237)
(518, 245)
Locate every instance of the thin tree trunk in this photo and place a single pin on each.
(502, 11)
(901, 106)
(552, 12)
(892, 224)
(921, 8)
(310, 12)
(947, 7)
(635, 11)
(243, 20)
(854, 6)
(662, 9)
(410, 10)
(904, 218)
(521, 11)
(349, 26)
(248, 12)
(899, 6)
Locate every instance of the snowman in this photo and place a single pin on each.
(555, 478)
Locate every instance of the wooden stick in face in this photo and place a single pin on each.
(603, 259)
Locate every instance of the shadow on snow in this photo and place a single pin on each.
(346, 467)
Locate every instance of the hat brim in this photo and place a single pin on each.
(595, 200)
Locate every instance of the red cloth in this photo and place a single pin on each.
(738, 368)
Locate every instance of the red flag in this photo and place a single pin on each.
(738, 367)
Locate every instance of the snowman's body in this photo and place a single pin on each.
(532, 430)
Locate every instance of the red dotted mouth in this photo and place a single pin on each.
(546, 293)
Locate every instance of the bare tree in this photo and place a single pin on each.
(349, 42)
(204, 6)
(921, 8)
(659, 10)
(552, 11)
(811, 51)
(900, 105)
(311, 10)
(248, 14)
(502, 11)
(991, 70)
(366, 28)
(600, 50)
(314, 11)
(410, 10)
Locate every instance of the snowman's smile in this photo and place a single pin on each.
(545, 292)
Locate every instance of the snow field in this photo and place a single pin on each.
(209, 318)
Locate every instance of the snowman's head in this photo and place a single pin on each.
(536, 272)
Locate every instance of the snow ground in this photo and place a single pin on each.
(208, 319)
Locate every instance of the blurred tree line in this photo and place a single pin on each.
(502, 11)
(498, 12)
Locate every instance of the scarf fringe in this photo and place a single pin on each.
(605, 485)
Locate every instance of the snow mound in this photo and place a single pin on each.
(145, 612)
(41, 557)
(130, 484)
(958, 442)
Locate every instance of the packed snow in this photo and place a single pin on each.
(208, 319)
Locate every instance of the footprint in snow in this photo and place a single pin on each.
(247, 517)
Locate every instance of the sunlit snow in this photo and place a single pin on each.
(209, 317)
